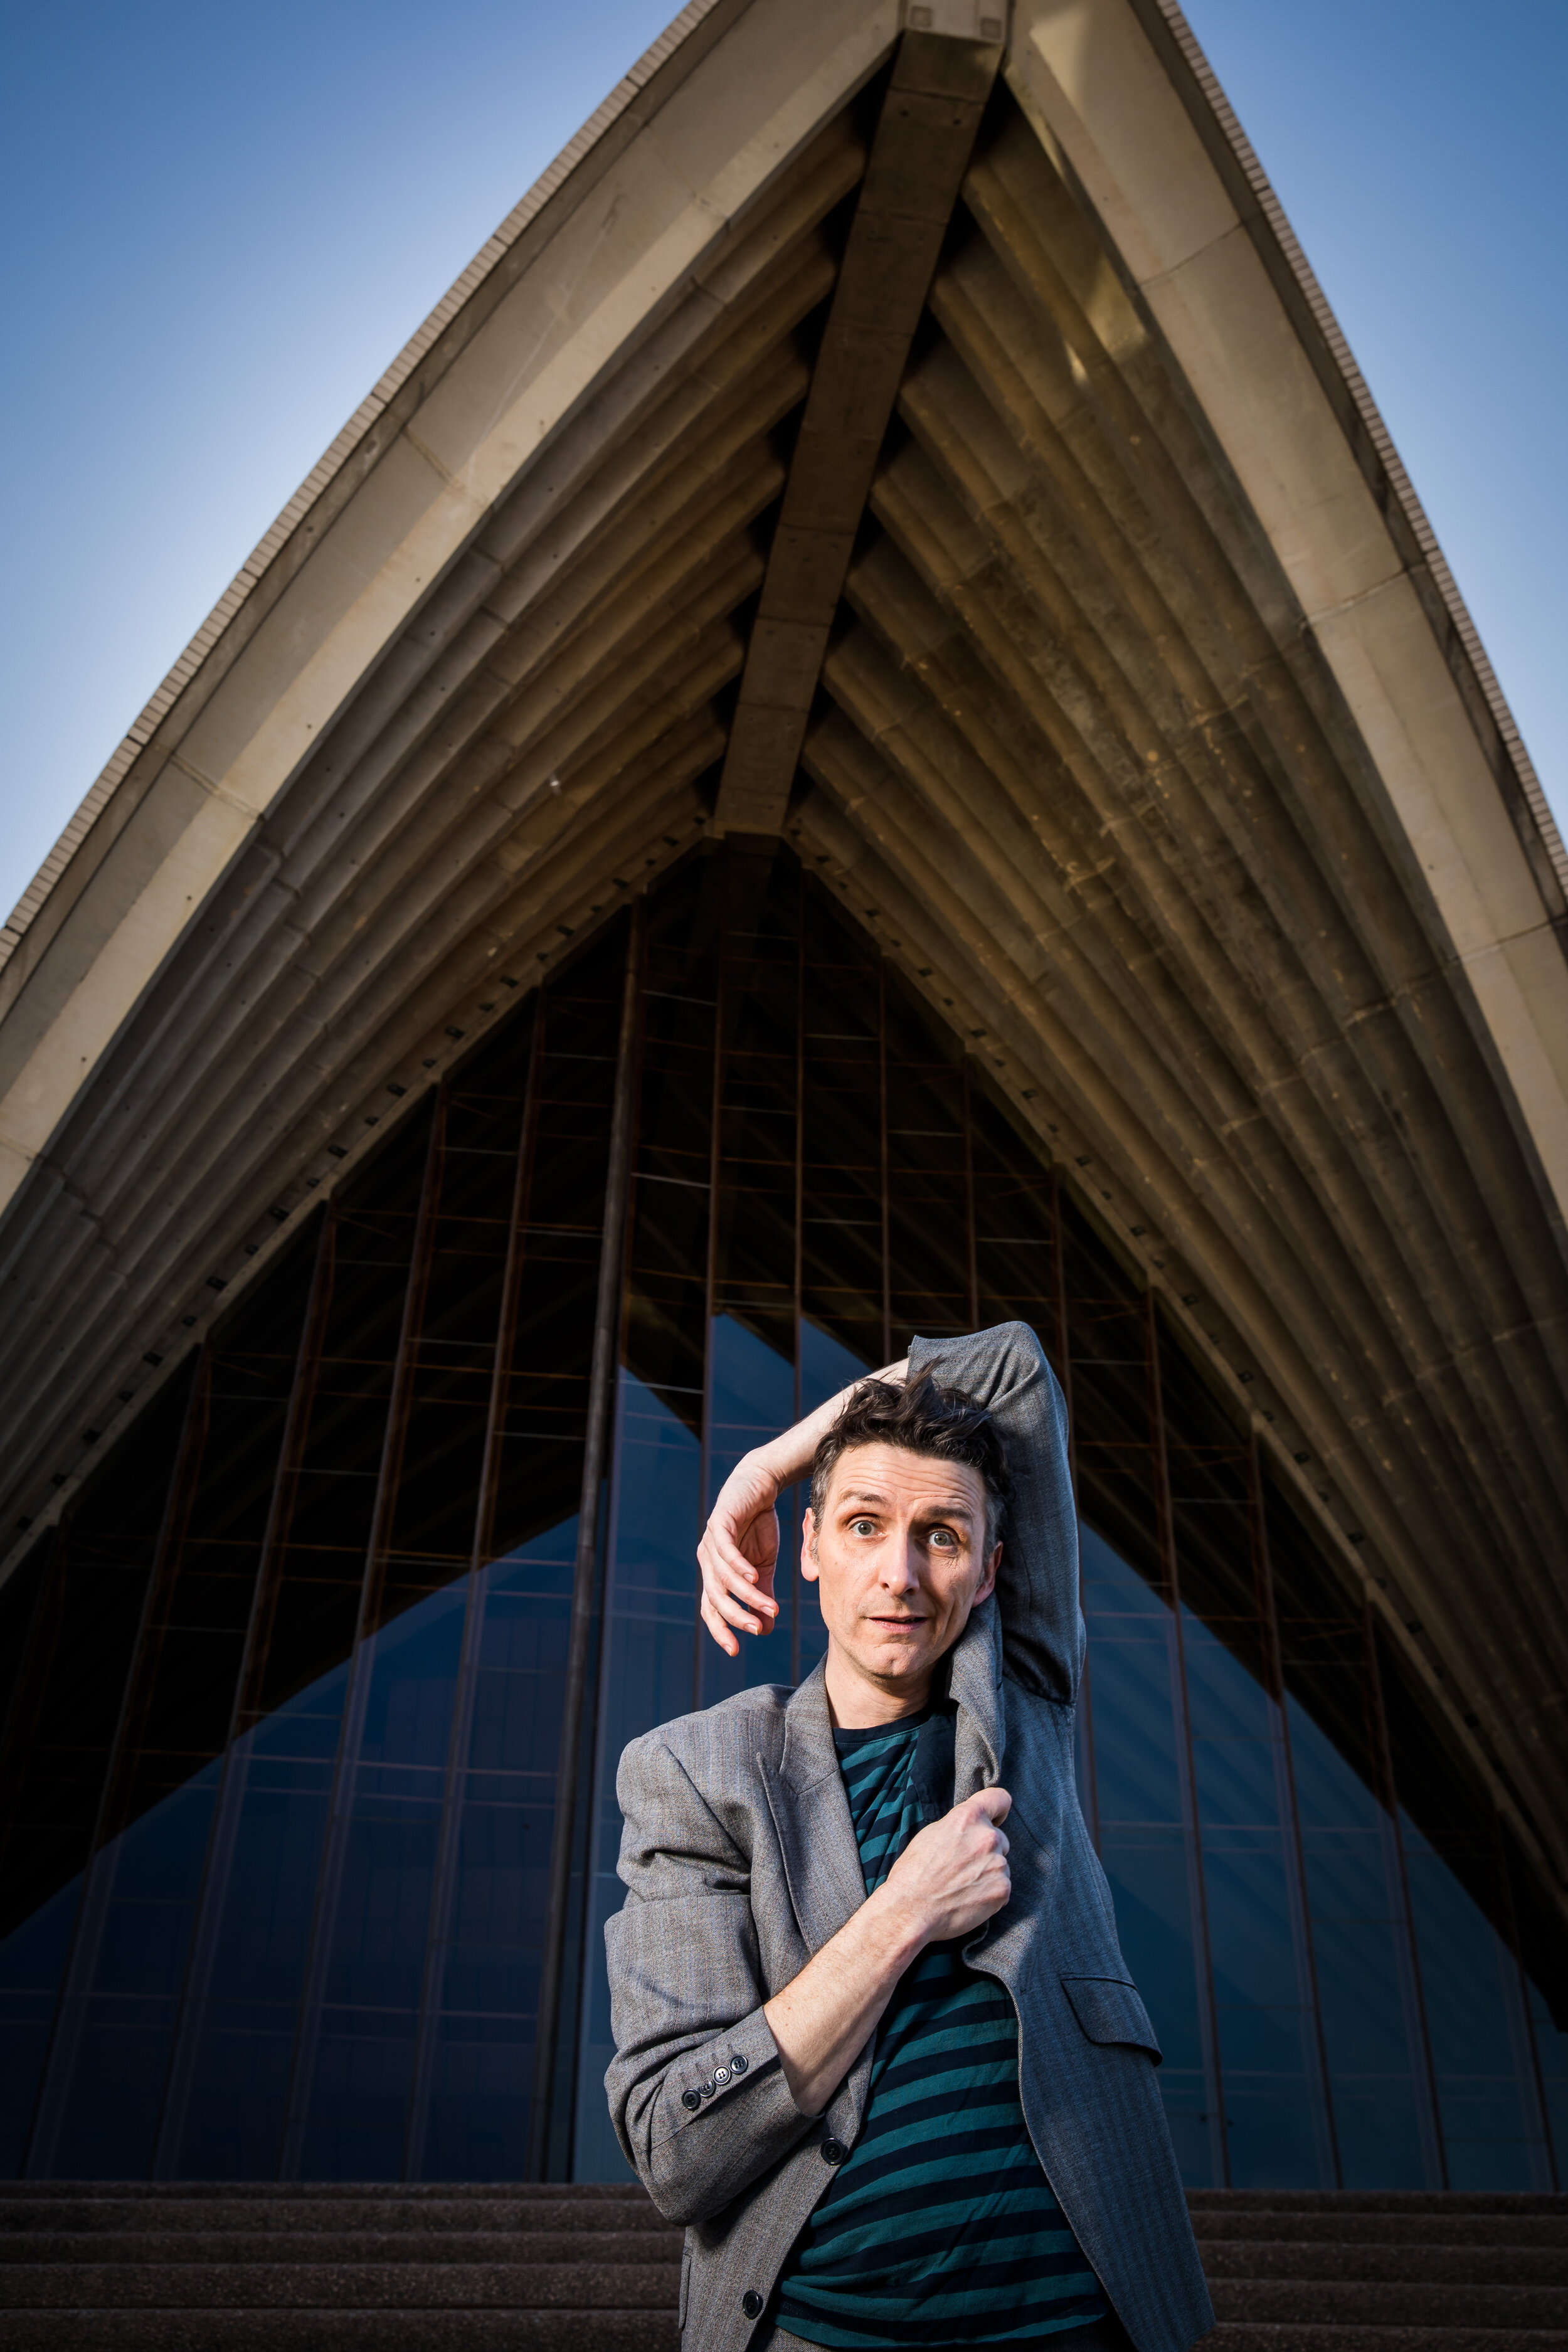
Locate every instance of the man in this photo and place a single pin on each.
(876, 2043)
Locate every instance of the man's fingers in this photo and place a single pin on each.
(742, 1592)
(736, 1609)
(720, 1631)
(996, 1802)
(736, 1599)
(731, 1571)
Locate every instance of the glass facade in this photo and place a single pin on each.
(285, 1692)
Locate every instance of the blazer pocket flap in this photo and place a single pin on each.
(1110, 2009)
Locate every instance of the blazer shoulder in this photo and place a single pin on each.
(716, 1744)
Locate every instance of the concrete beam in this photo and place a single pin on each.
(930, 112)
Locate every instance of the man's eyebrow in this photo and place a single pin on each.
(952, 1509)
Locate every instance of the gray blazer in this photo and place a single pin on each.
(740, 1861)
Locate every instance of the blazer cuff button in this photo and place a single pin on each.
(834, 2151)
(751, 2304)
(692, 2099)
(721, 2073)
(738, 2063)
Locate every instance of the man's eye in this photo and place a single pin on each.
(862, 1527)
(944, 1539)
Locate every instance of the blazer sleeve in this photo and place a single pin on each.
(1004, 1369)
(696, 2090)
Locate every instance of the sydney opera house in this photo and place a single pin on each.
(864, 735)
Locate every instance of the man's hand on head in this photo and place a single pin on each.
(738, 1555)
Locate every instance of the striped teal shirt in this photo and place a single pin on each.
(940, 2230)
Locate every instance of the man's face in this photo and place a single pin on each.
(902, 1557)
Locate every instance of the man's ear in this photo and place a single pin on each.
(809, 1567)
(987, 1585)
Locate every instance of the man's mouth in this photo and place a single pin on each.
(897, 1621)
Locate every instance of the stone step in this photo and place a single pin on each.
(1270, 2226)
(366, 2286)
(305, 2246)
(323, 2329)
(1477, 2266)
(1363, 2303)
(358, 2267)
(298, 2216)
(1295, 2336)
(1377, 2200)
(402, 2192)
(1248, 2259)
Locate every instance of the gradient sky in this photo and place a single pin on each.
(226, 221)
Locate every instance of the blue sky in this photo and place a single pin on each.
(226, 221)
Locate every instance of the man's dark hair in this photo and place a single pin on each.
(922, 1417)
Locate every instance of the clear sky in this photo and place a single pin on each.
(225, 221)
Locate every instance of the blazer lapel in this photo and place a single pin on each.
(811, 1817)
(974, 1680)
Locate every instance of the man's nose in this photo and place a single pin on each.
(901, 1564)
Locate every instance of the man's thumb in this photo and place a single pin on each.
(996, 1802)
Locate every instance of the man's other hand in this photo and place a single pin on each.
(953, 1875)
(739, 1552)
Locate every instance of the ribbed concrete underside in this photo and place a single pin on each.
(1074, 758)
(305, 2269)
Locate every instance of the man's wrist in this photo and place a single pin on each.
(903, 1929)
(772, 1459)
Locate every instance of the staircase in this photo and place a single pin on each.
(1309, 2270)
(95, 2267)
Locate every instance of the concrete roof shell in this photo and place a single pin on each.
(469, 686)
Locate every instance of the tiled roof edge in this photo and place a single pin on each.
(143, 728)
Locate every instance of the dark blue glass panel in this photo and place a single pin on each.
(825, 1367)
(482, 2080)
(477, 2075)
(1481, 2053)
(1466, 1920)
(361, 2084)
(751, 1399)
(1132, 1660)
(645, 1678)
(377, 1915)
(1145, 1850)
(1263, 1999)
(230, 2086)
(1371, 2025)
(116, 2035)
